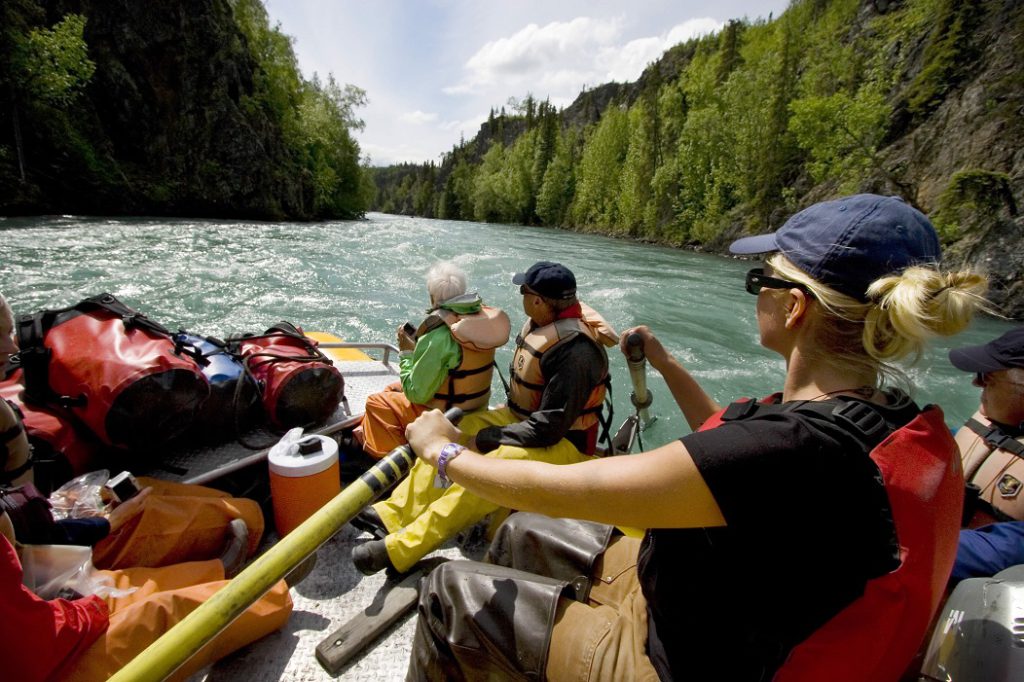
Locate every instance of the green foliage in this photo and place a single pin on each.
(54, 63)
(973, 199)
(637, 171)
(457, 200)
(600, 169)
(558, 185)
(841, 133)
(316, 117)
(491, 193)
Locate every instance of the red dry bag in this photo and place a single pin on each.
(299, 385)
(60, 450)
(114, 369)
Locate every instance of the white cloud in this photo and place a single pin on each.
(691, 29)
(626, 62)
(386, 155)
(418, 117)
(558, 59)
(535, 51)
(468, 126)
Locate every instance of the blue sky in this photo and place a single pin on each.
(433, 69)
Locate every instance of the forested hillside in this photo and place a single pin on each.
(177, 107)
(733, 132)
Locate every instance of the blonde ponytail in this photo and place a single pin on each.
(902, 312)
(916, 305)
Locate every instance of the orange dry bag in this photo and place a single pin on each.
(114, 369)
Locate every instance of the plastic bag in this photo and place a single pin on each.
(288, 446)
(50, 570)
(80, 497)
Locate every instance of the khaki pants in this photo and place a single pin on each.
(163, 598)
(605, 638)
(496, 622)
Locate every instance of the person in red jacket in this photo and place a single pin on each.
(808, 536)
(91, 638)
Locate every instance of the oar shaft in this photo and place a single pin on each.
(636, 360)
(638, 375)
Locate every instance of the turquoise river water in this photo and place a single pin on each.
(362, 279)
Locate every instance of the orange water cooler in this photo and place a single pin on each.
(303, 477)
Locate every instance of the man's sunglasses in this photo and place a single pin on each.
(757, 280)
(986, 378)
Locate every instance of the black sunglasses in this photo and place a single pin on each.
(757, 280)
(525, 291)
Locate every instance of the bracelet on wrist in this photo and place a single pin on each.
(449, 452)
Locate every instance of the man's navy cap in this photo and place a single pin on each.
(849, 243)
(1006, 352)
(551, 280)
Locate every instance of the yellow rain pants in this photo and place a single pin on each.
(420, 517)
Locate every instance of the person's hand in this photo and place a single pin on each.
(653, 350)
(126, 510)
(405, 342)
(429, 433)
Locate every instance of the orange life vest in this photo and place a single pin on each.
(527, 381)
(468, 385)
(995, 463)
(877, 636)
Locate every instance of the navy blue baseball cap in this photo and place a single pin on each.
(551, 280)
(1006, 352)
(848, 243)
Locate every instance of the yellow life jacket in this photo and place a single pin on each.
(527, 381)
(991, 463)
(468, 385)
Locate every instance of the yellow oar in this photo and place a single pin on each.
(177, 645)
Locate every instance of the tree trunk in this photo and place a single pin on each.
(17, 137)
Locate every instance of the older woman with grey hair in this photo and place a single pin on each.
(446, 361)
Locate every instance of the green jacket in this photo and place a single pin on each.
(424, 369)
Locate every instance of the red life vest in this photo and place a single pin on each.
(113, 368)
(875, 638)
(298, 383)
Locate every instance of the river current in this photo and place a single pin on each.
(362, 279)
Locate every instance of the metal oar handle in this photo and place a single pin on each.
(635, 348)
(636, 359)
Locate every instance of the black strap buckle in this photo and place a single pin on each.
(864, 419)
(739, 410)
